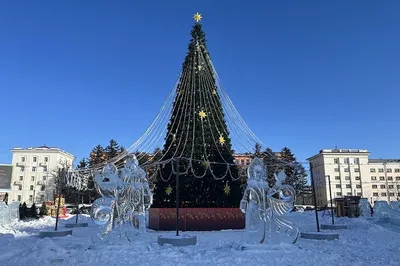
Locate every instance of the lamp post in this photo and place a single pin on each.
(314, 196)
(330, 195)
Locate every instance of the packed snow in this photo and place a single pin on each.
(366, 242)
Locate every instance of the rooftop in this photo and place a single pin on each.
(42, 148)
(384, 160)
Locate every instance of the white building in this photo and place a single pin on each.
(32, 179)
(352, 173)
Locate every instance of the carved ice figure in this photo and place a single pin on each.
(365, 208)
(126, 196)
(254, 203)
(281, 200)
(9, 213)
(265, 207)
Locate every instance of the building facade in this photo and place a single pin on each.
(353, 173)
(32, 179)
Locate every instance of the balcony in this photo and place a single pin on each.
(18, 183)
(21, 164)
(44, 164)
(40, 183)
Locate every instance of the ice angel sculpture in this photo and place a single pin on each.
(265, 207)
(126, 196)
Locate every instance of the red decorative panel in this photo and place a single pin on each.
(196, 219)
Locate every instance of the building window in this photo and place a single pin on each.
(44, 178)
(336, 169)
(336, 160)
(348, 193)
(356, 170)
(22, 168)
(46, 159)
(375, 194)
(397, 178)
(42, 198)
(45, 169)
(380, 170)
(347, 177)
(358, 186)
(346, 169)
(383, 194)
(356, 160)
(390, 177)
(247, 162)
(372, 170)
(242, 161)
(30, 198)
(31, 187)
(391, 186)
(357, 178)
(19, 187)
(391, 194)
(19, 197)
(383, 186)
(33, 169)
(23, 159)
(34, 159)
(389, 170)
(21, 178)
(43, 188)
(346, 160)
(338, 193)
(32, 178)
(381, 178)
(397, 170)
(348, 186)
(337, 186)
(398, 186)
(373, 177)
(359, 194)
(337, 177)
(374, 186)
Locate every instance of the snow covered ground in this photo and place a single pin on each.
(365, 243)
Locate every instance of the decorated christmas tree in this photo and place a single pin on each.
(197, 138)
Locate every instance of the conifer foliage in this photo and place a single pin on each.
(197, 137)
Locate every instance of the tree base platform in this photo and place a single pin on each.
(73, 225)
(43, 234)
(177, 241)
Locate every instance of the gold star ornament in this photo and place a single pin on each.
(227, 189)
(168, 190)
(202, 114)
(197, 17)
(221, 140)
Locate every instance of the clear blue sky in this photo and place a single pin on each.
(303, 74)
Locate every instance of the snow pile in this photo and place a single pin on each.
(364, 243)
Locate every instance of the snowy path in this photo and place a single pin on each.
(364, 243)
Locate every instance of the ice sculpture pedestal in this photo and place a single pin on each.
(73, 225)
(177, 241)
(333, 226)
(43, 234)
(319, 235)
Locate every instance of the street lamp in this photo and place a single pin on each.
(330, 194)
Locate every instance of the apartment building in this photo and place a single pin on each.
(32, 180)
(353, 173)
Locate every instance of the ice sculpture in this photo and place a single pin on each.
(365, 208)
(265, 207)
(9, 213)
(126, 196)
